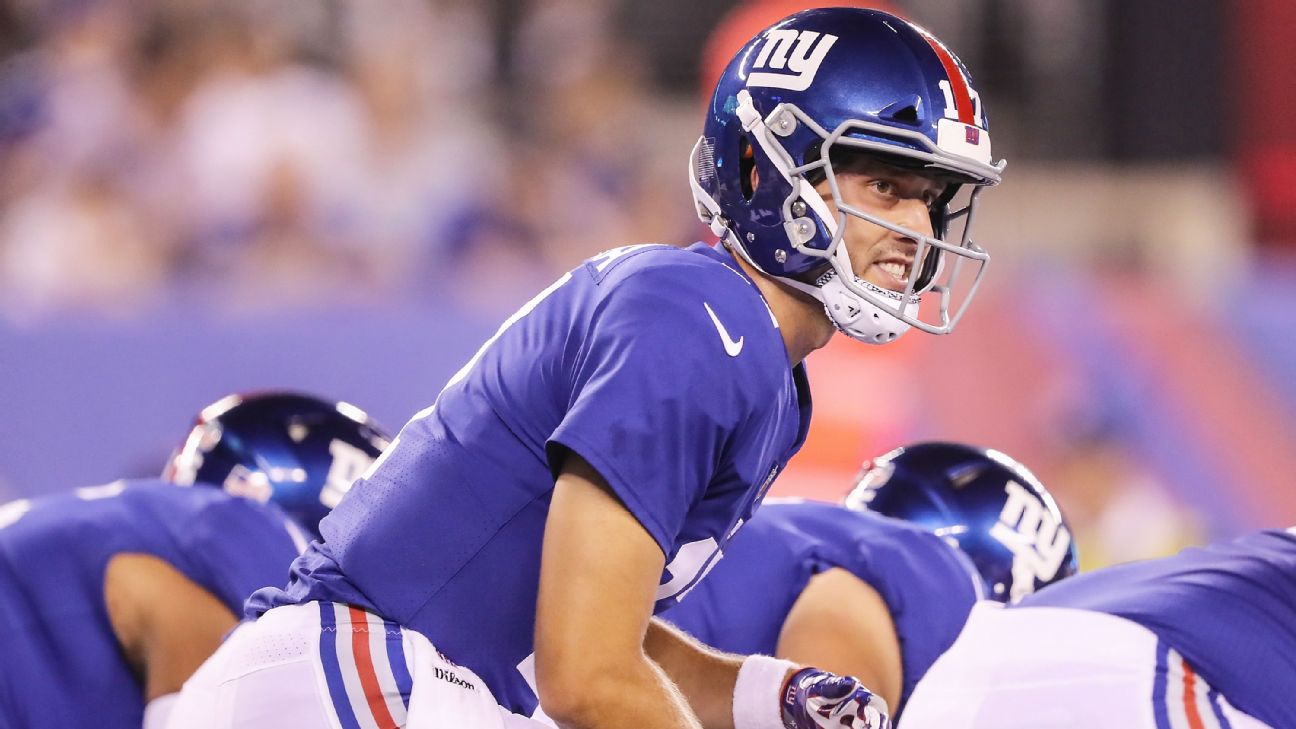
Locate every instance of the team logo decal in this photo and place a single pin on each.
(1034, 535)
(790, 59)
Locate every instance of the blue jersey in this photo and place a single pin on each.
(1229, 609)
(928, 585)
(662, 367)
(60, 662)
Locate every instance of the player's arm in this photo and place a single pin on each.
(598, 580)
(758, 692)
(840, 624)
(606, 532)
(705, 676)
(166, 625)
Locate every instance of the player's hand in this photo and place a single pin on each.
(817, 699)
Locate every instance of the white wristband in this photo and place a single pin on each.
(756, 701)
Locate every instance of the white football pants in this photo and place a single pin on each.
(1058, 668)
(331, 666)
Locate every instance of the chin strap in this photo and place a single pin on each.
(855, 316)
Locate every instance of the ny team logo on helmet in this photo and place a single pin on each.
(830, 82)
(790, 60)
(987, 504)
(298, 451)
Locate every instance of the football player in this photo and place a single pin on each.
(1203, 639)
(852, 590)
(590, 462)
(111, 596)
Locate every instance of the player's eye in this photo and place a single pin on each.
(883, 187)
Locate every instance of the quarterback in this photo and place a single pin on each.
(1203, 639)
(591, 462)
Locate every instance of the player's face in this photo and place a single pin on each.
(902, 197)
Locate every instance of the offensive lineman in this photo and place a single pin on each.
(111, 596)
(1205, 639)
(591, 461)
(855, 591)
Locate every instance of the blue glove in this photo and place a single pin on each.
(817, 699)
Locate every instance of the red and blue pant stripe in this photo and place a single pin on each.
(1180, 698)
(363, 657)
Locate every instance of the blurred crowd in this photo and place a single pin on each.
(263, 156)
(271, 153)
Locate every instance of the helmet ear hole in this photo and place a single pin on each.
(747, 176)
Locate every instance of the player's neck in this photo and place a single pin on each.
(801, 318)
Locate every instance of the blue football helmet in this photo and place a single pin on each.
(810, 90)
(981, 501)
(298, 451)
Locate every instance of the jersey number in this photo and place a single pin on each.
(11, 512)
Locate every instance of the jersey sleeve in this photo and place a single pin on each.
(655, 399)
(237, 546)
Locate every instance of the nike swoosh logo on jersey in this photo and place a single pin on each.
(732, 347)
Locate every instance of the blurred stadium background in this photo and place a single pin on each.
(199, 197)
